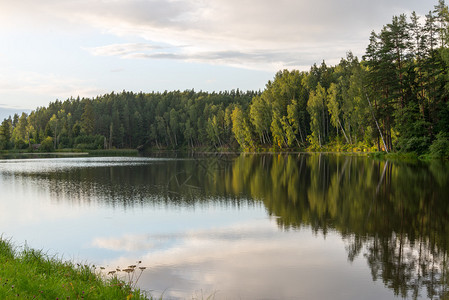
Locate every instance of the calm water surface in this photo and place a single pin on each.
(248, 227)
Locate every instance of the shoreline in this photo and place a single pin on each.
(401, 156)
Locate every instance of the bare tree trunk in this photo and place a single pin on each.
(300, 132)
(377, 124)
(344, 133)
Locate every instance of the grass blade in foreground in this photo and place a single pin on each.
(31, 274)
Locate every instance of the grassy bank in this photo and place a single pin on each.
(31, 274)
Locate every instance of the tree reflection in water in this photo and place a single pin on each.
(395, 215)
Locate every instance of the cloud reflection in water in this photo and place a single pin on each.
(233, 261)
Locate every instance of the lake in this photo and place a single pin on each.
(297, 226)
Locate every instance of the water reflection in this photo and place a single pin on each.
(395, 215)
(392, 217)
(130, 181)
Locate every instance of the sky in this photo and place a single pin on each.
(57, 49)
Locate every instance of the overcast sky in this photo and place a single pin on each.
(54, 49)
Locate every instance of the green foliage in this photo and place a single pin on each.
(412, 129)
(316, 107)
(5, 134)
(314, 142)
(31, 274)
(47, 145)
(88, 119)
(403, 72)
(127, 120)
(241, 130)
(261, 115)
(20, 144)
(440, 147)
(89, 142)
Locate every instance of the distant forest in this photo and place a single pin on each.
(394, 99)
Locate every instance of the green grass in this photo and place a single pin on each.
(31, 274)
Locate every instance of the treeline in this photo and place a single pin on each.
(128, 120)
(394, 99)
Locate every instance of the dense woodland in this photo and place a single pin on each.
(394, 99)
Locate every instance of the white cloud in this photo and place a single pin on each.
(269, 59)
(123, 50)
(42, 55)
(261, 34)
(33, 83)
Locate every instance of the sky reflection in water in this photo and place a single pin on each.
(249, 227)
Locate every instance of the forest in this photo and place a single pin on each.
(393, 99)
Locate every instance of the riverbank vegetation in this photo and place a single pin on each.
(31, 274)
(395, 98)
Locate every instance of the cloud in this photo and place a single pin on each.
(265, 36)
(26, 82)
(270, 59)
(123, 50)
(262, 34)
